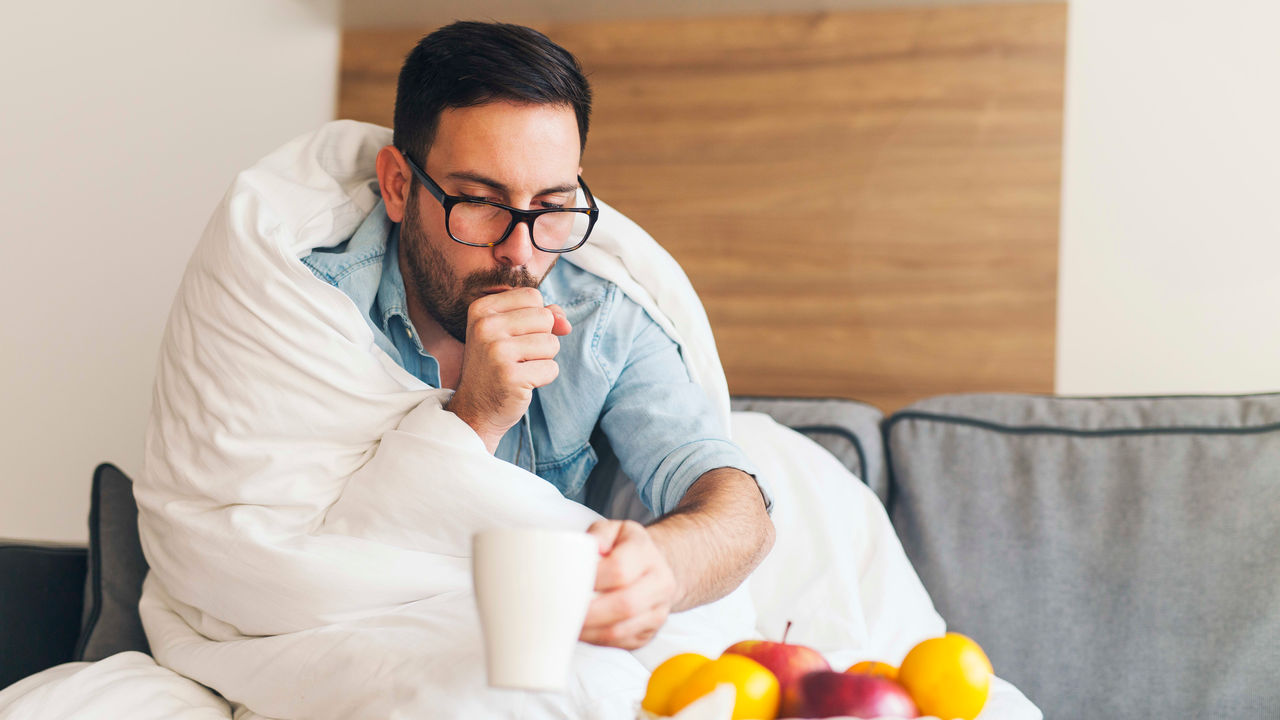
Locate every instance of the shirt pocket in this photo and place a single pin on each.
(569, 474)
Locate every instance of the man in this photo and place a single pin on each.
(453, 271)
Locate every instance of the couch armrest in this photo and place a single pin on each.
(41, 602)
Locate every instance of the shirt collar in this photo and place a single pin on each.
(391, 294)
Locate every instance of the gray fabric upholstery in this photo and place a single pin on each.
(1116, 557)
(848, 429)
(116, 570)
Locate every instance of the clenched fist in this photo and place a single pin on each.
(512, 341)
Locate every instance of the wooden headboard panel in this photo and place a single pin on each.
(866, 201)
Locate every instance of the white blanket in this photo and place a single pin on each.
(307, 506)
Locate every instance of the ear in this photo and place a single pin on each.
(394, 178)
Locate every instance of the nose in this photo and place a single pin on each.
(517, 250)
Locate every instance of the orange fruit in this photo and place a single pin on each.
(756, 688)
(871, 667)
(668, 676)
(948, 676)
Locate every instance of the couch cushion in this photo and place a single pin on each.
(1116, 557)
(848, 429)
(116, 570)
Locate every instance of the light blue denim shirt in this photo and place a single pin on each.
(618, 371)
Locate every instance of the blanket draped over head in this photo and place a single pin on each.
(307, 506)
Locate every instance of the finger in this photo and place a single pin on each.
(606, 533)
(639, 630)
(507, 300)
(536, 373)
(490, 327)
(524, 348)
(562, 326)
(630, 634)
(610, 608)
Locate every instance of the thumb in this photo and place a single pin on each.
(606, 534)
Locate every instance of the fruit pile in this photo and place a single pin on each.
(946, 677)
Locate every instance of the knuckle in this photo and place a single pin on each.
(504, 353)
(479, 308)
(482, 326)
(627, 606)
(620, 637)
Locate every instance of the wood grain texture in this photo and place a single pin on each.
(867, 201)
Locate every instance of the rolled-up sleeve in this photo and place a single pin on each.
(660, 423)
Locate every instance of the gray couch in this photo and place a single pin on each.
(1116, 557)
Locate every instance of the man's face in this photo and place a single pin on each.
(515, 154)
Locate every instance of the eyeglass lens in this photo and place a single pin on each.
(484, 224)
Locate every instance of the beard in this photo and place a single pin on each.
(435, 285)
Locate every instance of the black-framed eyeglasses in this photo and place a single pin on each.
(484, 223)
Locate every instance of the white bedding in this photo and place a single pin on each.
(128, 685)
(307, 506)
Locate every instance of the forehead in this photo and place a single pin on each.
(515, 142)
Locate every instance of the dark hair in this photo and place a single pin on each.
(473, 63)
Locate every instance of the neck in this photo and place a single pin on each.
(444, 347)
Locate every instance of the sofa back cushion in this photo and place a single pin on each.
(1116, 557)
(848, 429)
(117, 567)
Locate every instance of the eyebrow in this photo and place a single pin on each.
(501, 187)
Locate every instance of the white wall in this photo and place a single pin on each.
(1170, 273)
(123, 123)
(431, 13)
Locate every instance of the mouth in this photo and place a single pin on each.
(495, 290)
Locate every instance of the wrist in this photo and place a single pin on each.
(665, 536)
(488, 433)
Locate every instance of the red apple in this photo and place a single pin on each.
(788, 662)
(836, 694)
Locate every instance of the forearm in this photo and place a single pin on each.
(715, 537)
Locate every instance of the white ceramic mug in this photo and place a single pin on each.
(532, 590)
